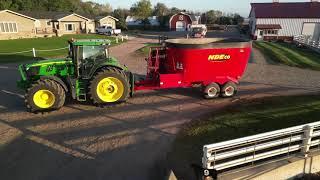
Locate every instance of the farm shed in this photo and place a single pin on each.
(276, 20)
(182, 21)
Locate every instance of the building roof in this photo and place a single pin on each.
(286, 10)
(45, 14)
(19, 14)
(52, 14)
(102, 17)
(192, 16)
(269, 26)
(59, 18)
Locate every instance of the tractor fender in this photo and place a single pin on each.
(56, 79)
(97, 69)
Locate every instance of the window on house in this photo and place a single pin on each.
(69, 27)
(271, 32)
(8, 27)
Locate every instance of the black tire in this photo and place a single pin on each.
(230, 89)
(55, 88)
(212, 91)
(105, 73)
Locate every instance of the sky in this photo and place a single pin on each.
(230, 6)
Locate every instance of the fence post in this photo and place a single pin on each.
(122, 38)
(308, 132)
(34, 52)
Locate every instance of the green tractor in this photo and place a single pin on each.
(87, 73)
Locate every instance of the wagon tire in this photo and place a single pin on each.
(116, 84)
(212, 91)
(45, 95)
(230, 89)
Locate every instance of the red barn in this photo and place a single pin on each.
(182, 21)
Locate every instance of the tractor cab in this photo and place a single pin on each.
(87, 54)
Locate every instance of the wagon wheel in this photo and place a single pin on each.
(212, 91)
(229, 89)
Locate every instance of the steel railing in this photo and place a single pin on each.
(307, 40)
(248, 150)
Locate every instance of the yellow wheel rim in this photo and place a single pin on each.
(44, 99)
(110, 89)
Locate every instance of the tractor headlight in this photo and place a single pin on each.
(33, 71)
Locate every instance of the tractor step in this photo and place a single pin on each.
(82, 91)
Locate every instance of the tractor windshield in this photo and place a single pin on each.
(93, 52)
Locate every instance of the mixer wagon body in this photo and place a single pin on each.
(193, 62)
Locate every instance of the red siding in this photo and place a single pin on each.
(175, 19)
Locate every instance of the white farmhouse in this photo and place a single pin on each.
(276, 20)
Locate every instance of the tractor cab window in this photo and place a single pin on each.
(93, 52)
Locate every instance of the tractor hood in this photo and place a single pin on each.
(47, 62)
(48, 67)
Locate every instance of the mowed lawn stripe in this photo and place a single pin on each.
(274, 54)
(290, 55)
(300, 57)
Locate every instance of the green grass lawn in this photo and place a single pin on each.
(145, 50)
(244, 119)
(289, 54)
(9, 46)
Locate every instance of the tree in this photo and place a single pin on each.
(121, 14)
(237, 19)
(101, 9)
(57, 5)
(160, 10)
(142, 9)
(5, 4)
(225, 20)
(175, 10)
(211, 17)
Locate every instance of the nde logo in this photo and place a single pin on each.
(219, 57)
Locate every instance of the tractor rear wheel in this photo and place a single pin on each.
(212, 91)
(109, 85)
(45, 95)
(229, 89)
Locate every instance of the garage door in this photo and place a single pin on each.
(180, 26)
(308, 29)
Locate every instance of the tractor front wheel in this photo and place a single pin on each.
(45, 95)
(109, 86)
(212, 91)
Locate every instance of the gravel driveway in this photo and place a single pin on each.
(126, 141)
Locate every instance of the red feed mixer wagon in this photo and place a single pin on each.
(216, 64)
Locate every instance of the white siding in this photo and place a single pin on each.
(290, 27)
(308, 29)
